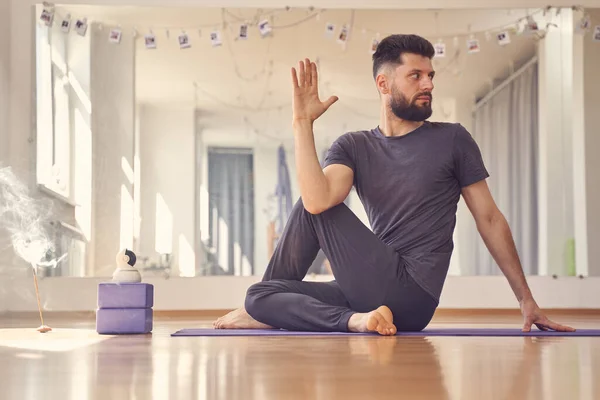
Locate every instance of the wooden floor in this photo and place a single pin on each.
(73, 362)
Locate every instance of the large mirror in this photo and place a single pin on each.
(168, 130)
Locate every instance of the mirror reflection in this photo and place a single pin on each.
(168, 130)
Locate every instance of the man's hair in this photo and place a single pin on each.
(391, 48)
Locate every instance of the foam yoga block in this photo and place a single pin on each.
(125, 295)
(124, 308)
(114, 321)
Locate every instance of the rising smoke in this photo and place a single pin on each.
(26, 219)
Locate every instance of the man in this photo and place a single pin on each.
(409, 174)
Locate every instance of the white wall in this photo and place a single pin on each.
(16, 104)
(591, 90)
(4, 80)
(221, 292)
(5, 254)
(113, 120)
(167, 179)
(464, 241)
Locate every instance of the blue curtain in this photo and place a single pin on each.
(231, 201)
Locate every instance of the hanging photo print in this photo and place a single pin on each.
(530, 25)
(184, 41)
(374, 44)
(343, 36)
(264, 27)
(150, 41)
(329, 30)
(114, 36)
(584, 24)
(47, 16)
(473, 46)
(215, 38)
(81, 26)
(503, 38)
(597, 33)
(243, 34)
(440, 49)
(65, 24)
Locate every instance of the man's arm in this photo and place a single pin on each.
(320, 189)
(496, 234)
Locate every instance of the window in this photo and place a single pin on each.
(53, 160)
(230, 241)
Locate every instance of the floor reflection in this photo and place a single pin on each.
(158, 366)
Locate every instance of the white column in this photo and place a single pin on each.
(556, 216)
(4, 80)
(4, 134)
(588, 253)
(579, 155)
(569, 146)
(112, 81)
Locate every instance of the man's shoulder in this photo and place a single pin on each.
(353, 137)
(445, 126)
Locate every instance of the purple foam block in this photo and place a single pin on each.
(125, 295)
(120, 321)
(426, 332)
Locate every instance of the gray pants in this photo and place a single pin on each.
(368, 273)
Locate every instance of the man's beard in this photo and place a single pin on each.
(410, 111)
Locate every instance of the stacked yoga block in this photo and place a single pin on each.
(125, 304)
(124, 308)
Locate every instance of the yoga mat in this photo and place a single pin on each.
(426, 332)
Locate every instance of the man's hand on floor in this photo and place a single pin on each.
(534, 316)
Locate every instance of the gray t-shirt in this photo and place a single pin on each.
(410, 187)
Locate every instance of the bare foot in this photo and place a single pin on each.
(380, 320)
(239, 319)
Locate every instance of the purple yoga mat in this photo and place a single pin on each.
(426, 332)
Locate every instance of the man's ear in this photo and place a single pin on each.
(382, 81)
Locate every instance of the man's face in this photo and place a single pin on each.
(411, 87)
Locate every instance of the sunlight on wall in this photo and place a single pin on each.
(187, 258)
(204, 232)
(58, 48)
(83, 97)
(163, 239)
(237, 258)
(137, 195)
(241, 264)
(126, 239)
(223, 243)
(127, 170)
(83, 175)
(62, 134)
(44, 106)
(246, 267)
(454, 268)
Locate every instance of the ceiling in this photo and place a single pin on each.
(253, 76)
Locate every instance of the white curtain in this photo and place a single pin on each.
(506, 129)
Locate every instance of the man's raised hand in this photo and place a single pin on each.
(306, 103)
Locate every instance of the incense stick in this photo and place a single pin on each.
(43, 328)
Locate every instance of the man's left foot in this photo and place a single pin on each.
(380, 320)
(239, 319)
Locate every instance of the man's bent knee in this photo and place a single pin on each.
(253, 296)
